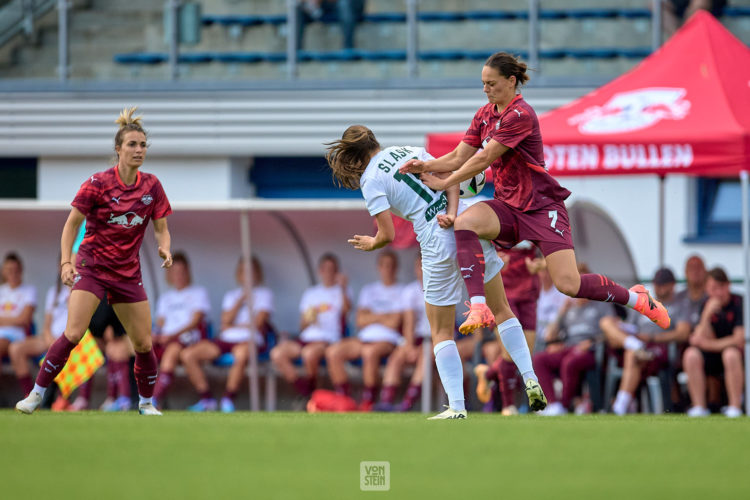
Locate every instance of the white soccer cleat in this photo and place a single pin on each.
(148, 409)
(30, 403)
(698, 412)
(449, 413)
(732, 412)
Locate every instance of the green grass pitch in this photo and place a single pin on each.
(296, 455)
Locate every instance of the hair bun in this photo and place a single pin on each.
(126, 118)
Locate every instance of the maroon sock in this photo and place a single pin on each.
(112, 374)
(54, 361)
(146, 370)
(471, 261)
(508, 382)
(493, 373)
(304, 385)
(230, 395)
(368, 394)
(205, 395)
(387, 394)
(162, 384)
(123, 378)
(26, 383)
(600, 288)
(85, 390)
(342, 389)
(412, 394)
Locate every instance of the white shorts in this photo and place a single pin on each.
(235, 334)
(441, 276)
(12, 333)
(378, 333)
(314, 333)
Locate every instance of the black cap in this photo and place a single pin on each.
(663, 276)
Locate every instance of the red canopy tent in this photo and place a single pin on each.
(685, 110)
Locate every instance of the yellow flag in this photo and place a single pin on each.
(83, 362)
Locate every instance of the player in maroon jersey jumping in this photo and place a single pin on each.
(117, 205)
(528, 203)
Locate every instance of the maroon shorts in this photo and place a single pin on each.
(117, 292)
(160, 348)
(660, 361)
(525, 311)
(548, 228)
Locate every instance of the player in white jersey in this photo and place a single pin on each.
(323, 310)
(181, 317)
(357, 160)
(416, 329)
(55, 318)
(379, 319)
(17, 303)
(236, 332)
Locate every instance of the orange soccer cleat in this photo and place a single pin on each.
(478, 316)
(652, 309)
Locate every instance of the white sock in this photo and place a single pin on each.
(632, 300)
(145, 401)
(622, 401)
(39, 389)
(633, 343)
(514, 341)
(451, 372)
(478, 300)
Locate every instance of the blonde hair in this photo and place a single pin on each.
(128, 123)
(349, 156)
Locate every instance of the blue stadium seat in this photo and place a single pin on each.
(635, 52)
(238, 57)
(491, 15)
(274, 19)
(736, 11)
(441, 55)
(440, 16)
(548, 14)
(552, 53)
(232, 20)
(385, 17)
(381, 55)
(196, 58)
(141, 58)
(635, 13)
(274, 57)
(592, 13)
(591, 53)
(328, 55)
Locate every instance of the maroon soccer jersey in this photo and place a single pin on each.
(521, 179)
(116, 219)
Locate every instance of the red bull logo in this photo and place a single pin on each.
(634, 110)
(130, 219)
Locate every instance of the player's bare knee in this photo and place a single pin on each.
(692, 357)
(730, 357)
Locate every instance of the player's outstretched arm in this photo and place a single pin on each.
(70, 231)
(163, 240)
(477, 163)
(386, 233)
(446, 163)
